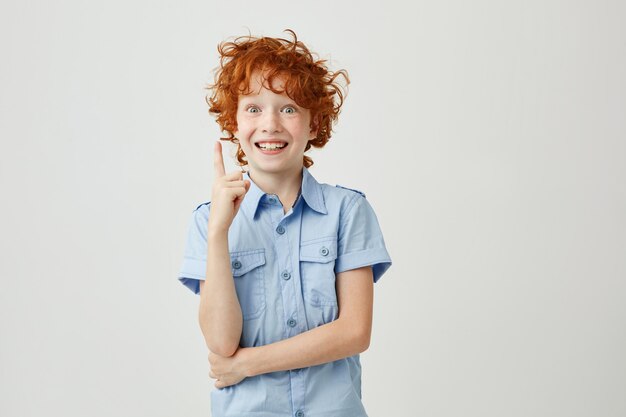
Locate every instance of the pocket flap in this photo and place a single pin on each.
(319, 250)
(245, 261)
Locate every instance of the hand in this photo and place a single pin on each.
(228, 193)
(229, 370)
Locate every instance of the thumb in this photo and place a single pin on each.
(239, 200)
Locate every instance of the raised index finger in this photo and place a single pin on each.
(218, 160)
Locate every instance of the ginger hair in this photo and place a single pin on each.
(307, 79)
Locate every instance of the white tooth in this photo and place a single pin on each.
(271, 146)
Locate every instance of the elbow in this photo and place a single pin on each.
(221, 346)
(363, 342)
(216, 342)
(362, 339)
(358, 336)
(224, 351)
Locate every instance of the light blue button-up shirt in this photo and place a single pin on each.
(284, 268)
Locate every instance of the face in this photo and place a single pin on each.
(272, 129)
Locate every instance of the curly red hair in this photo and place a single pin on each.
(307, 81)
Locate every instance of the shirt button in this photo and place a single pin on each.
(291, 322)
(280, 230)
(299, 413)
(286, 275)
(272, 200)
(324, 250)
(236, 264)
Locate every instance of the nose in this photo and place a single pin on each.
(271, 122)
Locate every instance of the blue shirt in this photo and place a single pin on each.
(284, 268)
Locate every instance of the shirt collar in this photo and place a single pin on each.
(310, 190)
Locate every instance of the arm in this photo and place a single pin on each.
(220, 314)
(346, 336)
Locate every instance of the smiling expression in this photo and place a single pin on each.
(272, 129)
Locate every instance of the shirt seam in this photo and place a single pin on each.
(352, 204)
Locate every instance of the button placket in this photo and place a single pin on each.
(294, 321)
(283, 243)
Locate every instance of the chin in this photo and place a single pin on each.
(270, 168)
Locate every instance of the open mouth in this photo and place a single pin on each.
(271, 146)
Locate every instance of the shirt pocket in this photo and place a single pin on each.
(317, 270)
(248, 268)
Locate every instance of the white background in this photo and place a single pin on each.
(489, 136)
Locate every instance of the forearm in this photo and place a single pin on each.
(219, 313)
(326, 343)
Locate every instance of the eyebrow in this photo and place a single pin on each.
(287, 100)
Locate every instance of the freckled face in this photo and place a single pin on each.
(264, 117)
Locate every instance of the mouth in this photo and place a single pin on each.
(271, 146)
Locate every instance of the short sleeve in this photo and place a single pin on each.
(193, 268)
(360, 241)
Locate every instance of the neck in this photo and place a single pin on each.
(285, 185)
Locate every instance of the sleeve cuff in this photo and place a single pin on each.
(377, 257)
(192, 272)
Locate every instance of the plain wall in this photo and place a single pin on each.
(489, 137)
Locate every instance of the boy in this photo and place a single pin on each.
(284, 265)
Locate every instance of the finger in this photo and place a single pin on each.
(234, 192)
(240, 192)
(231, 184)
(235, 175)
(218, 160)
(238, 202)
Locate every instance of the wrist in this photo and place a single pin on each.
(217, 233)
(248, 361)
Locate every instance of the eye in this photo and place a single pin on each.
(290, 109)
(252, 109)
